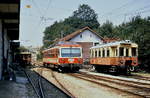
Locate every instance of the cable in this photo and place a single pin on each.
(38, 9)
(124, 5)
(142, 9)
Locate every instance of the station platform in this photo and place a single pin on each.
(11, 89)
(16, 88)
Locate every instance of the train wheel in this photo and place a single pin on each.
(60, 69)
(99, 69)
(127, 70)
(76, 69)
(92, 68)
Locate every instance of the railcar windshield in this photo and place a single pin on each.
(71, 52)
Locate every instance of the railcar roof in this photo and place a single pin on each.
(25, 52)
(113, 44)
(63, 44)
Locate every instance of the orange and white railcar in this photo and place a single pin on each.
(120, 56)
(64, 55)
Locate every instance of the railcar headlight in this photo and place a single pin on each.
(70, 60)
(79, 60)
(63, 59)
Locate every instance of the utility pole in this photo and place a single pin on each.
(62, 34)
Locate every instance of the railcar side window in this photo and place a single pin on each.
(121, 52)
(99, 53)
(116, 52)
(95, 53)
(92, 53)
(127, 52)
(103, 53)
(108, 53)
(133, 51)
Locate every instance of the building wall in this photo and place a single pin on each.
(87, 39)
(6, 49)
(86, 49)
(1, 50)
(86, 36)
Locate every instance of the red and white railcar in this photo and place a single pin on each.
(64, 55)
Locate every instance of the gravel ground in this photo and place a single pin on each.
(142, 74)
(82, 88)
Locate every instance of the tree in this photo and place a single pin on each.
(83, 16)
(107, 29)
(23, 49)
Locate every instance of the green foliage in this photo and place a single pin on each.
(40, 54)
(23, 49)
(107, 29)
(85, 16)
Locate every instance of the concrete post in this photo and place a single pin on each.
(1, 55)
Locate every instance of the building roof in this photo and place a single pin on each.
(108, 40)
(72, 35)
(10, 14)
(127, 42)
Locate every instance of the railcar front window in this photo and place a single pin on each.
(70, 52)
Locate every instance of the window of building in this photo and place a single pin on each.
(81, 36)
(90, 35)
(121, 51)
(95, 44)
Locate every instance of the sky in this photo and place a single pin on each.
(36, 15)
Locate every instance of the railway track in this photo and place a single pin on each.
(131, 87)
(36, 84)
(139, 77)
(64, 89)
(43, 88)
(61, 88)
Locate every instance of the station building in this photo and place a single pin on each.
(9, 31)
